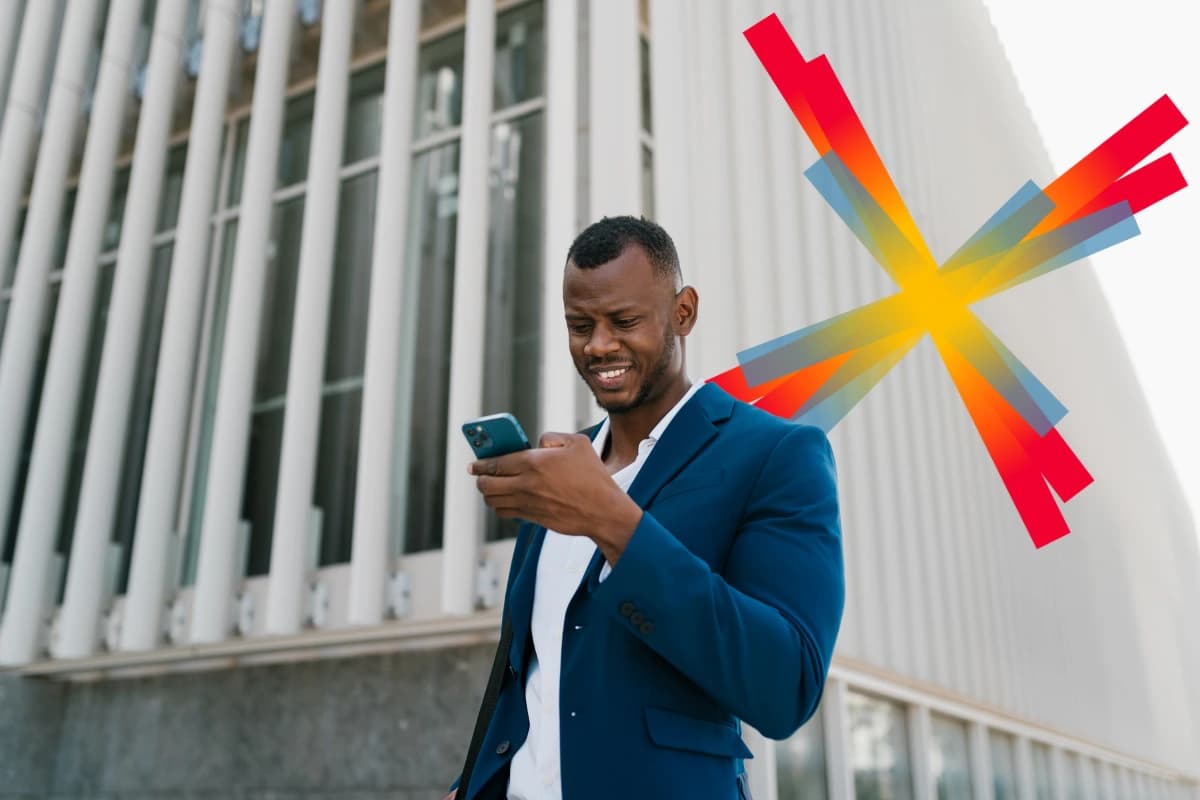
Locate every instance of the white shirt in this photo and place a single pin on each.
(563, 559)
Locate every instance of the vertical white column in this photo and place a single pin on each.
(557, 411)
(173, 380)
(614, 114)
(227, 468)
(101, 480)
(10, 29)
(310, 322)
(761, 770)
(23, 109)
(980, 761)
(26, 314)
(1026, 786)
(41, 513)
(463, 518)
(835, 721)
(669, 109)
(370, 553)
(920, 737)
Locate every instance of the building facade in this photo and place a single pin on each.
(259, 260)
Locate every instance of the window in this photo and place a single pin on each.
(511, 298)
(949, 765)
(1004, 765)
(800, 762)
(879, 750)
(1043, 775)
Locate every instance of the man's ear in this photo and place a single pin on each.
(687, 307)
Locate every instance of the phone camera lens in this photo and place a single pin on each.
(476, 442)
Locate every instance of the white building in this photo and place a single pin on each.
(249, 293)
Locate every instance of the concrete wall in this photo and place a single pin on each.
(395, 725)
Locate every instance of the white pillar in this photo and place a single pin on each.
(101, 482)
(463, 510)
(370, 555)
(557, 411)
(227, 467)
(22, 333)
(614, 114)
(22, 112)
(166, 438)
(310, 322)
(10, 29)
(670, 112)
(41, 513)
(920, 741)
(980, 762)
(1026, 783)
(835, 720)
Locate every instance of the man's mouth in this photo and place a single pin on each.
(612, 377)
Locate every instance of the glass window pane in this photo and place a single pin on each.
(350, 293)
(800, 762)
(1071, 774)
(337, 472)
(364, 115)
(274, 352)
(337, 455)
(513, 301)
(949, 768)
(1004, 765)
(878, 748)
(1043, 776)
(439, 86)
(116, 211)
(425, 368)
(172, 188)
(520, 55)
(279, 295)
(297, 136)
(435, 13)
(240, 139)
(139, 411)
(644, 63)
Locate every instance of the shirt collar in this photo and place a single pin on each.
(657, 431)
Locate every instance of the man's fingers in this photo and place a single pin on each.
(554, 439)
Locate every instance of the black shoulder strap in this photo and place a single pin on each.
(490, 695)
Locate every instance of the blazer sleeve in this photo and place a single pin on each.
(759, 638)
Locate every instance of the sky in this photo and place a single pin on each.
(1086, 67)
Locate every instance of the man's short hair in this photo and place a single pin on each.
(603, 241)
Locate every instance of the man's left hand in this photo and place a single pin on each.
(563, 485)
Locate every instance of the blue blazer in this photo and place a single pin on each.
(724, 607)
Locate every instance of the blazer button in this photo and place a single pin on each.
(647, 627)
(637, 618)
(502, 748)
(626, 608)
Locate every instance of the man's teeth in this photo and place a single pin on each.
(612, 373)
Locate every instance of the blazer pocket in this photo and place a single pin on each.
(690, 483)
(681, 732)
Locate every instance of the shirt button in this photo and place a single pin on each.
(502, 748)
(572, 713)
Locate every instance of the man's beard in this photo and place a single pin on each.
(650, 379)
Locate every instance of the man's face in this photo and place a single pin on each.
(622, 322)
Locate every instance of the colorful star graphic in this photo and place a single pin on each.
(817, 374)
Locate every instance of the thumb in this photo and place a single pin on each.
(553, 439)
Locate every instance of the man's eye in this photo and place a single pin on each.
(627, 322)
(579, 329)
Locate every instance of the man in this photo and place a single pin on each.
(683, 568)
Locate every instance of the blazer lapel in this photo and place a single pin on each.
(693, 427)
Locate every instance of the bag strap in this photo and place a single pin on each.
(492, 693)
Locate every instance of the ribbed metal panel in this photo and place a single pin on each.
(945, 588)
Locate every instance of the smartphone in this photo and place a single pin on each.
(495, 435)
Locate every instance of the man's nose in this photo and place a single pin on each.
(601, 342)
